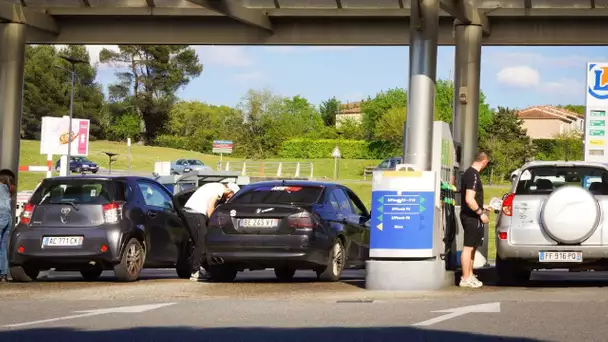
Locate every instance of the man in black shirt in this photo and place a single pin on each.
(473, 217)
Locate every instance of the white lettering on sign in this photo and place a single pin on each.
(398, 227)
(399, 217)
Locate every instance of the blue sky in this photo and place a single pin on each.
(510, 76)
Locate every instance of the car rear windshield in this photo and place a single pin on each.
(546, 179)
(74, 191)
(280, 195)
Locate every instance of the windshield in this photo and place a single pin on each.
(195, 162)
(81, 159)
(280, 195)
(546, 179)
(81, 191)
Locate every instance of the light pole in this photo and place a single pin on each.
(73, 61)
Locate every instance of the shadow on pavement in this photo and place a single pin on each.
(181, 334)
(548, 279)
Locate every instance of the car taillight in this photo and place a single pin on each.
(502, 235)
(301, 221)
(507, 205)
(26, 215)
(111, 212)
(218, 219)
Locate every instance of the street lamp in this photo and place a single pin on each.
(73, 61)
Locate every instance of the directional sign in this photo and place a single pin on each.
(336, 153)
(96, 312)
(222, 146)
(463, 310)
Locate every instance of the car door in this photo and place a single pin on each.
(347, 217)
(362, 219)
(163, 225)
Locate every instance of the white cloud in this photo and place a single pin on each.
(519, 76)
(562, 87)
(224, 56)
(94, 51)
(505, 59)
(249, 77)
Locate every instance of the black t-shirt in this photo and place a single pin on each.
(471, 180)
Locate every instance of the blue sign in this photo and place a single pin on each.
(402, 220)
(598, 74)
(588, 180)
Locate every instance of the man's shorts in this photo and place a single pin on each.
(473, 231)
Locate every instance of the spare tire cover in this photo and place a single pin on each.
(570, 215)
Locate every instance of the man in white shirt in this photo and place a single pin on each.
(199, 209)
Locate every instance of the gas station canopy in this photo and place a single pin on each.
(294, 22)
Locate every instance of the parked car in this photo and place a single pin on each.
(79, 165)
(182, 166)
(550, 219)
(288, 226)
(91, 224)
(389, 164)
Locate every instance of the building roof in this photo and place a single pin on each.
(548, 113)
(350, 108)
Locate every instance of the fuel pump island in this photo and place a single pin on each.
(416, 237)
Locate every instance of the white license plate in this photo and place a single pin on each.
(560, 256)
(259, 223)
(62, 241)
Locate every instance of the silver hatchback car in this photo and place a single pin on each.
(554, 217)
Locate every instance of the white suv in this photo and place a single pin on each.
(554, 217)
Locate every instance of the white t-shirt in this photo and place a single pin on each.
(201, 197)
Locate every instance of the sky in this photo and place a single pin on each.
(516, 77)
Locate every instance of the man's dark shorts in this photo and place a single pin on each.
(473, 231)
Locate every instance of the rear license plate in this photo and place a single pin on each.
(560, 256)
(62, 241)
(259, 223)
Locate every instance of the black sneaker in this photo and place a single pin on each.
(3, 279)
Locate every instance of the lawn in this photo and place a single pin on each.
(143, 158)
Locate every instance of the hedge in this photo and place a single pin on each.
(180, 143)
(350, 149)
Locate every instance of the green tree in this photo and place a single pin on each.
(390, 126)
(374, 108)
(151, 75)
(579, 109)
(329, 109)
(46, 89)
(126, 126)
(569, 146)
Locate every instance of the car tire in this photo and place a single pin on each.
(222, 274)
(284, 273)
(509, 273)
(23, 274)
(131, 262)
(78, 170)
(183, 267)
(335, 264)
(95, 171)
(91, 274)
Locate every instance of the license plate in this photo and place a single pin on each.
(62, 241)
(259, 223)
(560, 256)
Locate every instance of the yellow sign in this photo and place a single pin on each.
(597, 142)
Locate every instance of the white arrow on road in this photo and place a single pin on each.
(463, 310)
(89, 313)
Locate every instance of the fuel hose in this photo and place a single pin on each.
(448, 192)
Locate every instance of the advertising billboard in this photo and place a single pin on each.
(596, 107)
(55, 139)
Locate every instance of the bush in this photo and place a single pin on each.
(322, 148)
(180, 143)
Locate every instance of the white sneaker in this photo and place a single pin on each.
(198, 275)
(472, 282)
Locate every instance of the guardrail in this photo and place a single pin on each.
(266, 168)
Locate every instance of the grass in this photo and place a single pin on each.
(143, 158)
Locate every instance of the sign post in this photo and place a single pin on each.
(336, 154)
(129, 151)
(596, 106)
(221, 147)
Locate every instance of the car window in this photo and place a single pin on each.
(546, 179)
(76, 191)
(195, 162)
(334, 202)
(154, 195)
(343, 202)
(384, 165)
(356, 204)
(279, 195)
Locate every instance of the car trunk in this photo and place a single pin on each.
(272, 219)
(65, 216)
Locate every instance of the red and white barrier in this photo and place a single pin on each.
(34, 168)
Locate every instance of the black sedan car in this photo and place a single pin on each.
(288, 226)
(79, 165)
(91, 224)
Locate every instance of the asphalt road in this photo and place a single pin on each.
(556, 306)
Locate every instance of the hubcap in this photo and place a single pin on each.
(133, 259)
(337, 261)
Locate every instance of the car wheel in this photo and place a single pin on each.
(95, 171)
(91, 274)
(131, 262)
(335, 265)
(222, 274)
(509, 273)
(284, 273)
(23, 274)
(183, 267)
(78, 170)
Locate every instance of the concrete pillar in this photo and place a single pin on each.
(12, 59)
(466, 90)
(424, 24)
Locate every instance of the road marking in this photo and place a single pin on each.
(97, 312)
(463, 310)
